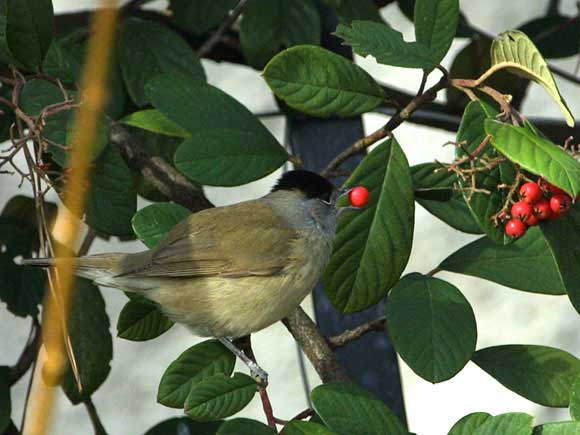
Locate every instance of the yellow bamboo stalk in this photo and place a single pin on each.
(94, 98)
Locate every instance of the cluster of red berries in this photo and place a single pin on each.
(538, 201)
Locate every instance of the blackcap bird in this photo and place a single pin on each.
(226, 272)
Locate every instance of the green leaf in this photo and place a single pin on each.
(434, 191)
(219, 396)
(513, 423)
(319, 82)
(564, 243)
(351, 10)
(372, 246)
(436, 24)
(514, 51)
(268, 26)
(541, 374)
(147, 49)
(61, 63)
(386, 45)
(528, 264)
(555, 36)
(91, 340)
(199, 16)
(191, 367)
(36, 95)
(348, 409)
(26, 28)
(111, 199)
(563, 428)
(184, 426)
(468, 424)
(5, 401)
(482, 205)
(536, 154)
(229, 145)
(432, 326)
(141, 321)
(575, 400)
(298, 427)
(153, 222)
(244, 426)
(153, 120)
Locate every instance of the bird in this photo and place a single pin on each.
(226, 272)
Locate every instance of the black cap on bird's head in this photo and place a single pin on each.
(309, 183)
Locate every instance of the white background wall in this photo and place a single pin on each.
(126, 402)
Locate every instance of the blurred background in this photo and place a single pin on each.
(127, 400)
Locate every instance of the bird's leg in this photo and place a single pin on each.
(255, 370)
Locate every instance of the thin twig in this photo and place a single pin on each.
(356, 333)
(28, 355)
(362, 144)
(225, 25)
(94, 416)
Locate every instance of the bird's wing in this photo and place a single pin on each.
(212, 243)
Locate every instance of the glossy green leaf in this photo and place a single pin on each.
(468, 424)
(91, 340)
(26, 28)
(513, 423)
(199, 16)
(184, 426)
(528, 264)
(319, 82)
(562, 428)
(555, 36)
(432, 326)
(244, 426)
(228, 146)
(386, 45)
(21, 287)
(436, 24)
(372, 246)
(195, 364)
(268, 26)
(111, 198)
(536, 154)
(219, 396)
(36, 95)
(153, 222)
(147, 49)
(61, 63)
(482, 205)
(541, 374)
(514, 50)
(348, 409)
(434, 191)
(153, 120)
(575, 400)
(298, 427)
(141, 321)
(351, 10)
(5, 401)
(564, 242)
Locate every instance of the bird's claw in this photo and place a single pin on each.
(259, 374)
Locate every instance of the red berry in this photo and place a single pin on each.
(530, 192)
(533, 221)
(522, 210)
(549, 187)
(358, 196)
(560, 203)
(542, 209)
(515, 228)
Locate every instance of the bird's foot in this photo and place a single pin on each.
(259, 374)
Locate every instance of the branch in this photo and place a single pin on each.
(315, 346)
(356, 333)
(163, 176)
(404, 114)
(28, 355)
(225, 25)
(94, 416)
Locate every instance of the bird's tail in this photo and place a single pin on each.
(94, 267)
